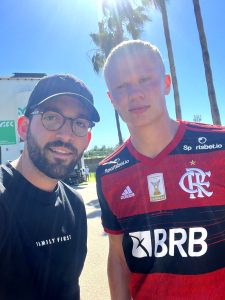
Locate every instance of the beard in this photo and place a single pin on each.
(56, 170)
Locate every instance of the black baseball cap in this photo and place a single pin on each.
(52, 86)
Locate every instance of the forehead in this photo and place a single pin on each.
(124, 65)
(67, 105)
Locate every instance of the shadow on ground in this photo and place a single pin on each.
(80, 186)
(97, 212)
(94, 203)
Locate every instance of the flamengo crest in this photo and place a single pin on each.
(193, 182)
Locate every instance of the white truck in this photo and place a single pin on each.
(14, 94)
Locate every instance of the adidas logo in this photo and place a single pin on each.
(127, 193)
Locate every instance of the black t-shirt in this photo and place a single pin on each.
(42, 240)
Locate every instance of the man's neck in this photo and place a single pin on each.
(152, 139)
(25, 167)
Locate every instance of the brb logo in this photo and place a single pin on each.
(193, 182)
(160, 242)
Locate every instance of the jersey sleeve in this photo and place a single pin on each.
(109, 220)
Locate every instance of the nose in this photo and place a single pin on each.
(135, 92)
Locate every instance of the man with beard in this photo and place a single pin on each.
(43, 229)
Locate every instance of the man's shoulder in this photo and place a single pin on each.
(2, 188)
(5, 175)
(193, 126)
(205, 132)
(199, 138)
(73, 203)
(121, 158)
(71, 194)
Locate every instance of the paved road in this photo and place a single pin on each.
(93, 281)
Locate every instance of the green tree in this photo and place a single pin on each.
(206, 60)
(121, 19)
(161, 5)
(99, 151)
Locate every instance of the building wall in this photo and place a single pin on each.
(14, 94)
(92, 163)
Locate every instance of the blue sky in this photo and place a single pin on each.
(52, 36)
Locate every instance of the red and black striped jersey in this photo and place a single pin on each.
(171, 211)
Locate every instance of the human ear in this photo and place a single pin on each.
(22, 127)
(109, 95)
(167, 84)
(112, 99)
(89, 135)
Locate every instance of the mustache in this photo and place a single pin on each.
(59, 143)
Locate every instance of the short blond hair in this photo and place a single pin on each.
(130, 47)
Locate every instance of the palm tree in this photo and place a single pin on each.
(120, 20)
(206, 60)
(161, 5)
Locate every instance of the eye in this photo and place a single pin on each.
(121, 86)
(82, 123)
(51, 116)
(145, 79)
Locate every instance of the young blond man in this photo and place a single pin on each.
(162, 192)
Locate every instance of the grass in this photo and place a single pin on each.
(92, 177)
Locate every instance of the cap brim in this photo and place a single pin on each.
(94, 115)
